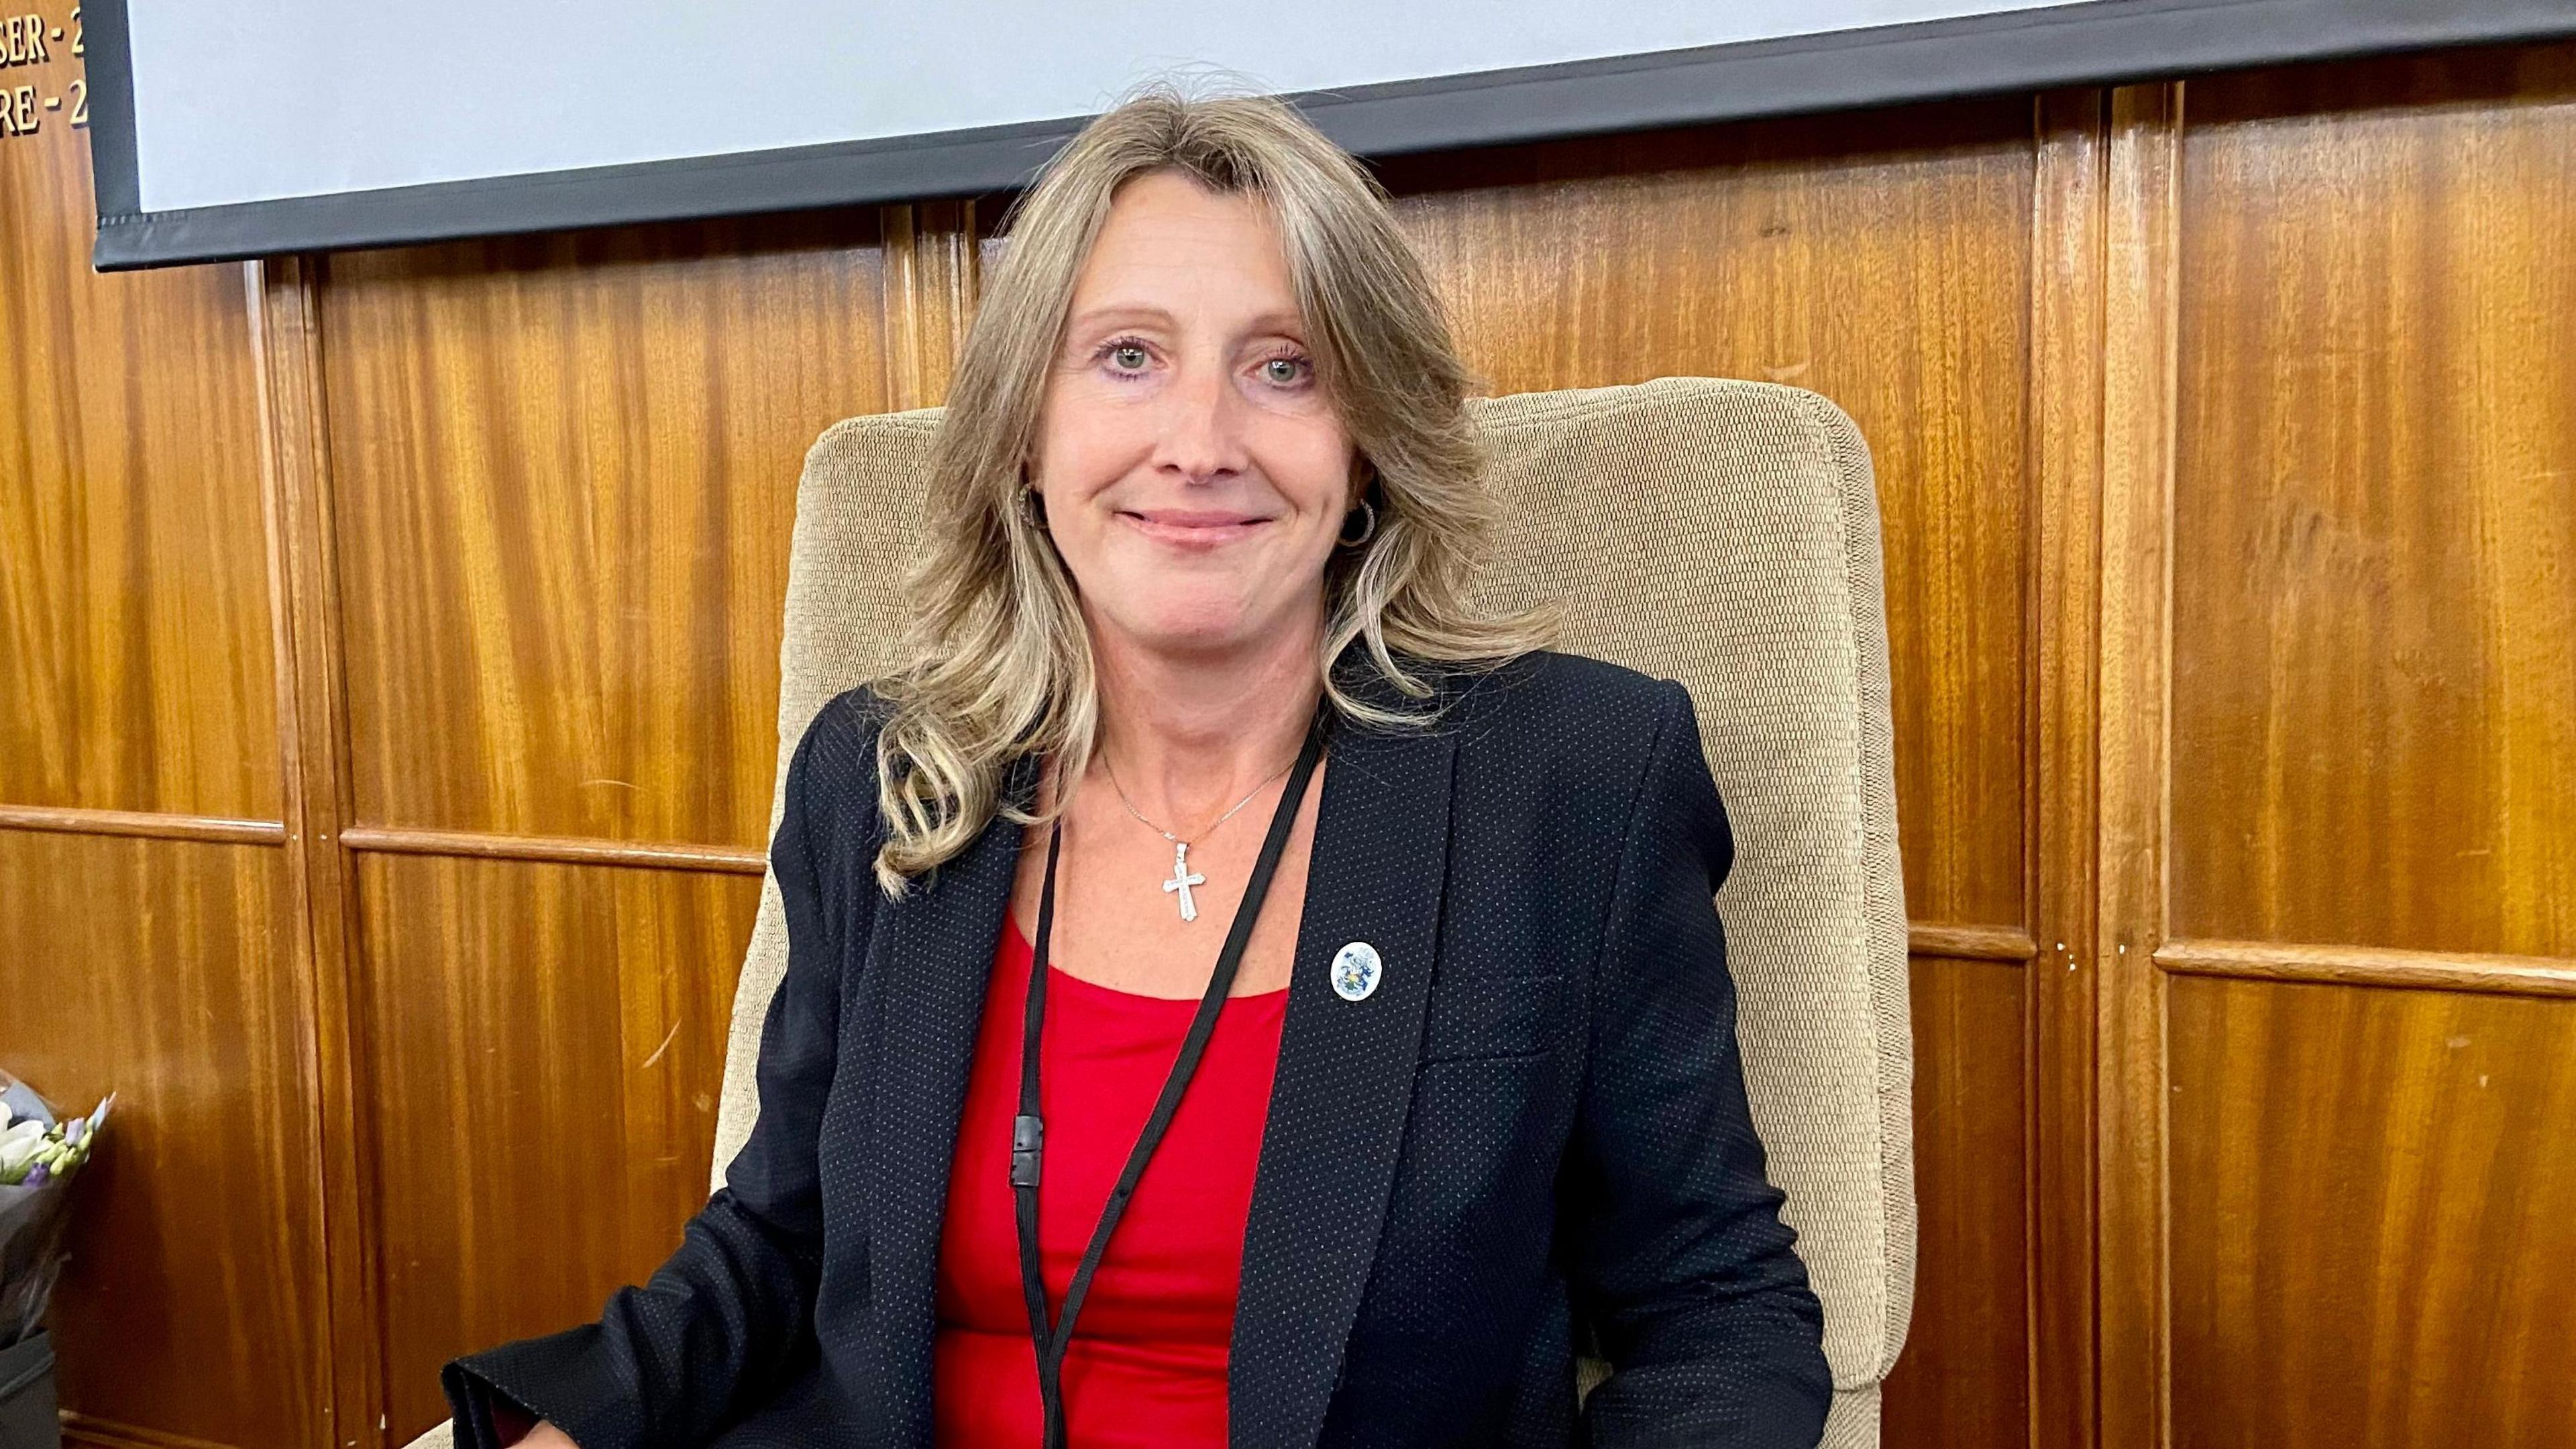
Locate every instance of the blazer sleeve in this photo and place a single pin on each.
(1678, 1255)
(723, 1318)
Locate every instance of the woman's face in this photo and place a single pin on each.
(1194, 471)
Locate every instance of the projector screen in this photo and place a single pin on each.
(290, 125)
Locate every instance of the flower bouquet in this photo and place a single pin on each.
(39, 1155)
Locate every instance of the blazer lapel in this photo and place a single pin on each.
(1344, 1082)
(938, 954)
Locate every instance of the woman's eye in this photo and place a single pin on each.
(1285, 371)
(1127, 357)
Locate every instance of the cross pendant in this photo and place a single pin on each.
(1182, 880)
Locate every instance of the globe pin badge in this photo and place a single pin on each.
(1355, 971)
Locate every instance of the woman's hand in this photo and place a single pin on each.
(546, 1436)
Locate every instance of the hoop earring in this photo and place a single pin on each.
(1368, 528)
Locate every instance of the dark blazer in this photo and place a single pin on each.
(1532, 1135)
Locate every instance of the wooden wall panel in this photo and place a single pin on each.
(152, 968)
(1880, 259)
(2374, 1217)
(2344, 1211)
(147, 923)
(566, 471)
(2375, 506)
(547, 1043)
(134, 625)
(1964, 1375)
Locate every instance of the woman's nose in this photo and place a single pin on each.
(1201, 433)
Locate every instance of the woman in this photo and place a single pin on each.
(1342, 1130)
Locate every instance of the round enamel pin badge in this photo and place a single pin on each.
(1355, 971)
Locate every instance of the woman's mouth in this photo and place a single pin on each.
(1193, 527)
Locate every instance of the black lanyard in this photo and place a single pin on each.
(1028, 1129)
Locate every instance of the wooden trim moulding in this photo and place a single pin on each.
(2069, 197)
(2331, 965)
(2140, 396)
(285, 300)
(574, 850)
(83, 1431)
(1969, 943)
(147, 824)
(930, 280)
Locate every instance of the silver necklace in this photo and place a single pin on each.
(1182, 876)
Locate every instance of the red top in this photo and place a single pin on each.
(1148, 1360)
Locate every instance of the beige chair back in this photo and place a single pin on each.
(1724, 534)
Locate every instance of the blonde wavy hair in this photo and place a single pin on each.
(995, 662)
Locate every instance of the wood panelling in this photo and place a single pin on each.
(133, 582)
(2372, 966)
(2375, 547)
(2374, 1217)
(547, 1042)
(147, 924)
(1880, 259)
(146, 823)
(2139, 216)
(2340, 1213)
(152, 968)
(2066, 410)
(741, 860)
(565, 474)
(80, 1431)
(313, 745)
(2339, 569)
(932, 269)
(1963, 1378)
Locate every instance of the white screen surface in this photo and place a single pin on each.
(267, 99)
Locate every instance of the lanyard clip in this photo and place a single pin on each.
(1028, 1140)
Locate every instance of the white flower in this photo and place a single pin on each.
(19, 1147)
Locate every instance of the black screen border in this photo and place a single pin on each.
(2102, 42)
